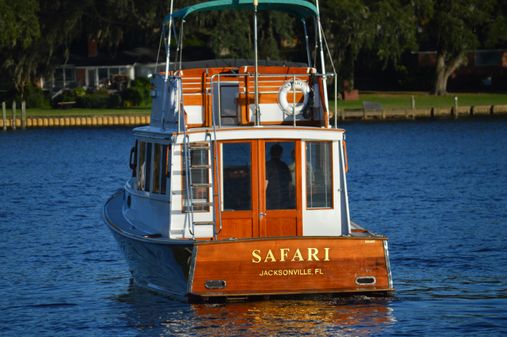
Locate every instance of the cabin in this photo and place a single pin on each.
(232, 177)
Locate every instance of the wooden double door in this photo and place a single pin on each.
(260, 188)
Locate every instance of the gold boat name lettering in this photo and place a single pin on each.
(291, 272)
(288, 255)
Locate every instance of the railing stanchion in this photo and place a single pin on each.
(294, 100)
(335, 101)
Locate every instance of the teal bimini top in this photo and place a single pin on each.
(301, 8)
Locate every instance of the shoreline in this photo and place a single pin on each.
(343, 115)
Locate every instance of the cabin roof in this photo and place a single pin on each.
(239, 133)
(300, 8)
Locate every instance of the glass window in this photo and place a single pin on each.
(166, 152)
(318, 175)
(144, 166)
(236, 176)
(280, 175)
(103, 76)
(156, 167)
(69, 75)
(199, 174)
(148, 167)
(141, 165)
(160, 168)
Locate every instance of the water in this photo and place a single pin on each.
(436, 188)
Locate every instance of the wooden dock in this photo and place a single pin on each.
(437, 113)
(55, 122)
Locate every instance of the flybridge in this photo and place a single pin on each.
(249, 94)
(234, 96)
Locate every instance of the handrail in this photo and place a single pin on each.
(260, 75)
(217, 79)
(188, 179)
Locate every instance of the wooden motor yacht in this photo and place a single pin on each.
(238, 184)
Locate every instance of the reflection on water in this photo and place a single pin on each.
(316, 316)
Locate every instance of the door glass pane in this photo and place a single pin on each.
(280, 175)
(236, 176)
(318, 175)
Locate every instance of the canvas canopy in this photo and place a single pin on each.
(300, 8)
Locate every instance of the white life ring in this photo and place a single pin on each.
(287, 89)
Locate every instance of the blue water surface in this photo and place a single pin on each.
(437, 189)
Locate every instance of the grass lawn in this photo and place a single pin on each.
(389, 100)
(400, 100)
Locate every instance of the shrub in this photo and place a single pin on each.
(114, 101)
(35, 98)
(143, 85)
(79, 91)
(131, 97)
(95, 100)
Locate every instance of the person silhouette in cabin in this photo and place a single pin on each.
(278, 178)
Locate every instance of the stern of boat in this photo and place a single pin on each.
(285, 266)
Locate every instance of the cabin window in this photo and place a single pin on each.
(318, 175)
(280, 175)
(141, 166)
(199, 174)
(160, 168)
(152, 167)
(166, 152)
(236, 176)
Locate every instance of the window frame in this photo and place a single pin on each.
(331, 177)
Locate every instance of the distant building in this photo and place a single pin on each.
(98, 71)
(485, 69)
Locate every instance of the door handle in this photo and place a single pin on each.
(261, 215)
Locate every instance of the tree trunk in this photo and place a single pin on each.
(445, 67)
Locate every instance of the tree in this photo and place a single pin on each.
(54, 24)
(19, 29)
(452, 29)
(384, 27)
(19, 24)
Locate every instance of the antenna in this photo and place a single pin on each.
(168, 53)
(256, 55)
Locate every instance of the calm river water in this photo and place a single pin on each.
(438, 189)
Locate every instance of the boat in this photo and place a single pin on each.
(238, 186)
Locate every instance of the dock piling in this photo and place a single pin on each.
(4, 116)
(13, 124)
(23, 115)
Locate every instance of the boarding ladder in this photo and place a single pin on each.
(210, 146)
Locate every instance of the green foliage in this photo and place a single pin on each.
(138, 94)
(114, 101)
(131, 97)
(19, 24)
(452, 28)
(93, 101)
(50, 27)
(78, 92)
(143, 87)
(36, 35)
(35, 98)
